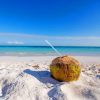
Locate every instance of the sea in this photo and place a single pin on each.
(48, 51)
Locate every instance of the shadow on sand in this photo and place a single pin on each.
(42, 76)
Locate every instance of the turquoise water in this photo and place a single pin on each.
(46, 50)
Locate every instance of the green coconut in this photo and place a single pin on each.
(65, 68)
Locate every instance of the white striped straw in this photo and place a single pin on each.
(53, 47)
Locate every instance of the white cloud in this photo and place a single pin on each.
(33, 39)
(15, 42)
(34, 36)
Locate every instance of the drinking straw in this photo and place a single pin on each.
(53, 47)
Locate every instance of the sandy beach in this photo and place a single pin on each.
(29, 78)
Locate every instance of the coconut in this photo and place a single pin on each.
(65, 68)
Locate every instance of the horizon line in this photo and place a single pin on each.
(48, 46)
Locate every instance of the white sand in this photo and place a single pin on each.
(28, 78)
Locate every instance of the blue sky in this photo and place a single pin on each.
(62, 22)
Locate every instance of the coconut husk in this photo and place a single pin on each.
(65, 68)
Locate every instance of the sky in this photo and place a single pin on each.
(61, 22)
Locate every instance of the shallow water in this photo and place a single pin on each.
(48, 51)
